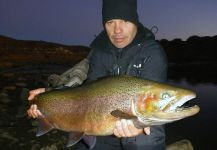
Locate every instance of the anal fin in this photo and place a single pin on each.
(74, 137)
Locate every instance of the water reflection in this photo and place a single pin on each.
(201, 129)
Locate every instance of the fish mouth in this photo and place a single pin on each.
(177, 105)
(177, 110)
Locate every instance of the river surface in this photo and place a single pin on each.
(200, 129)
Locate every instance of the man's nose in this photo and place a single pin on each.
(118, 28)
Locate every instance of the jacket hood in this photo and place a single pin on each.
(102, 41)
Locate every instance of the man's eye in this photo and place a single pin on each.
(165, 96)
(109, 22)
(125, 21)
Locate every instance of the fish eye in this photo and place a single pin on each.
(166, 96)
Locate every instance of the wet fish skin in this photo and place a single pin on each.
(93, 109)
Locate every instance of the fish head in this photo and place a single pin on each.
(157, 104)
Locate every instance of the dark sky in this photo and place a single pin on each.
(76, 22)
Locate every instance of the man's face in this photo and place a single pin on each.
(120, 32)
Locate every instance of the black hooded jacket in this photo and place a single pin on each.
(144, 58)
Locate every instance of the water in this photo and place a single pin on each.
(200, 129)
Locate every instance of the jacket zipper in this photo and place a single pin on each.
(118, 60)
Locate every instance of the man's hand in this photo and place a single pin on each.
(35, 92)
(33, 111)
(126, 128)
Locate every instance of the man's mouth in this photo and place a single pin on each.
(119, 40)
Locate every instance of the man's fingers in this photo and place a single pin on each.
(120, 129)
(125, 128)
(116, 133)
(29, 113)
(147, 130)
(33, 112)
(33, 93)
(38, 113)
(30, 97)
(133, 130)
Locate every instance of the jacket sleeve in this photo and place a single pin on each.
(96, 66)
(154, 66)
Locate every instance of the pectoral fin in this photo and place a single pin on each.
(122, 115)
(43, 126)
(74, 137)
(90, 141)
(138, 124)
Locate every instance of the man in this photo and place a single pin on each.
(124, 47)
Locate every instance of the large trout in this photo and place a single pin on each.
(93, 109)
